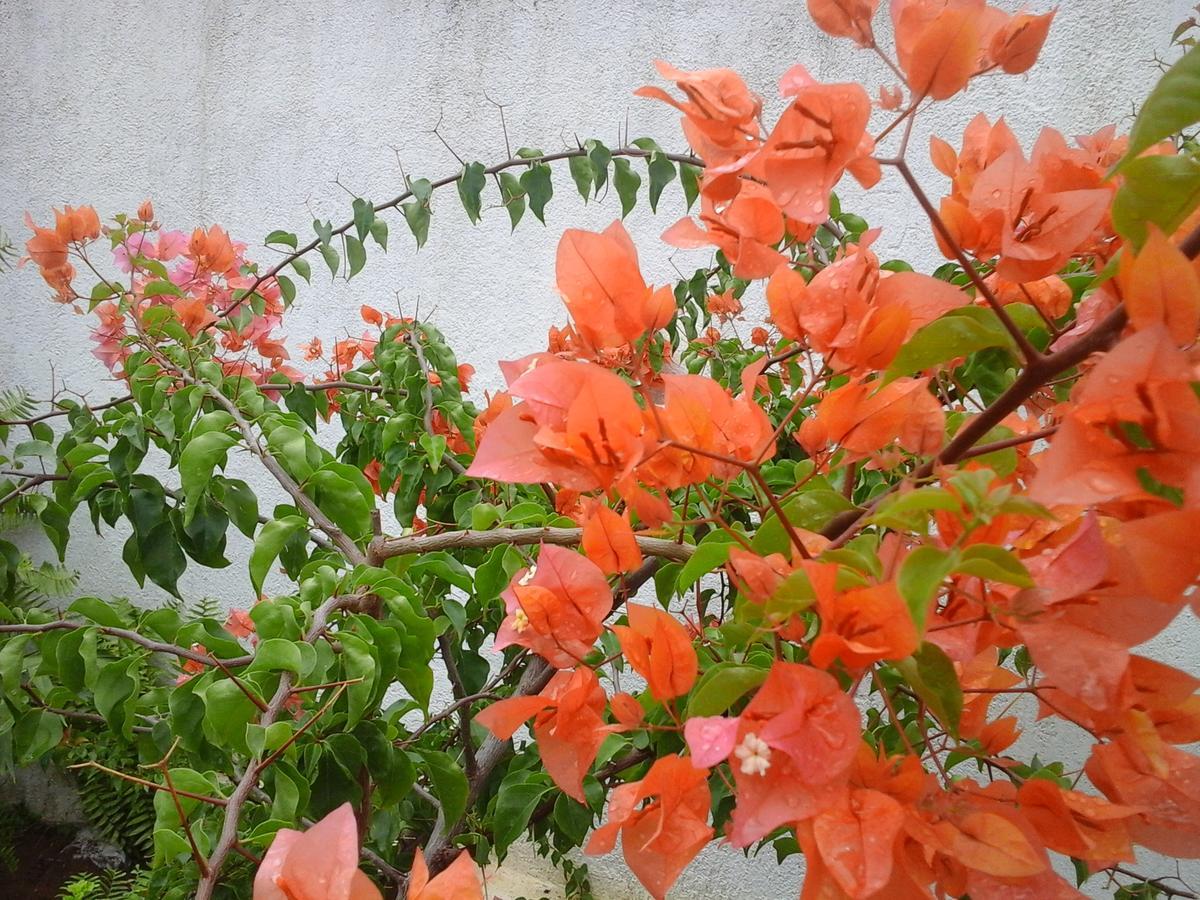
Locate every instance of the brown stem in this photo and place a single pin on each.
(388, 547)
(249, 780)
(464, 709)
(28, 485)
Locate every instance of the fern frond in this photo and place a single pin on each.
(48, 580)
(18, 513)
(15, 403)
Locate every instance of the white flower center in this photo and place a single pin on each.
(754, 754)
(528, 576)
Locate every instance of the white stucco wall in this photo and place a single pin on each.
(243, 114)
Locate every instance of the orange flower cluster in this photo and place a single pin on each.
(50, 247)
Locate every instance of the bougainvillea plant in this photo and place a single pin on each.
(804, 589)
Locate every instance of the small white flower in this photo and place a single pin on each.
(754, 754)
(528, 576)
(520, 621)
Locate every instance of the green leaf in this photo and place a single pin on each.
(159, 288)
(470, 187)
(269, 545)
(358, 662)
(921, 574)
(74, 659)
(627, 182)
(931, 674)
(417, 216)
(240, 504)
(994, 564)
(957, 333)
(711, 553)
(114, 687)
(539, 188)
(810, 510)
(434, 446)
(662, 173)
(287, 288)
(421, 188)
(599, 156)
(581, 174)
(282, 237)
(303, 269)
(98, 611)
(379, 233)
(227, 712)
(364, 215)
(12, 661)
(342, 501)
(331, 257)
(513, 196)
(722, 686)
(290, 446)
(689, 177)
(1172, 106)
(448, 781)
(201, 455)
(35, 734)
(276, 654)
(356, 255)
(162, 558)
(1158, 190)
(515, 802)
(910, 511)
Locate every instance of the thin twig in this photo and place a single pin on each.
(116, 401)
(514, 162)
(206, 659)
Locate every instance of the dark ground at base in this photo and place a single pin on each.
(46, 857)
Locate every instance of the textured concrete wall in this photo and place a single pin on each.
(244, 113)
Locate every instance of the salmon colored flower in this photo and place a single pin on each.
(318, 864)
(556, 607)
(862, 626)
(725, 306)
(77, 225)
(662, 836)
(845, 18)
(603, 289)
(239, 623)
(458, 881)
(811, 730)
(820, 136)
(659, 649)
(720, 115)
(608, 539)
(212, 250)
(313, 350)
(745, 228)
(568, 725)
(863, 419)
(579, 427)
